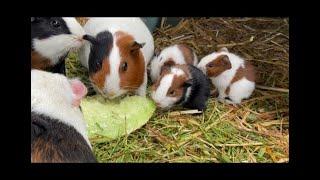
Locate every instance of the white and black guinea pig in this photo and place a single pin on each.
(118, 55)
(183, 85)
(51, 40)
(58, 130)
(175, 54)
(233, 77)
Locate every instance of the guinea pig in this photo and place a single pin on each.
(51, 40)
(183, 85)
(117, 55)
(233, 77)
(58, 130)
(175, 54)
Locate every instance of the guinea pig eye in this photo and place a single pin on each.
(210, 65)
(55, 23)
(172, 92)
(124, 66)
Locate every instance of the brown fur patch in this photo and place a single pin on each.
(177, 86)
(187, 53)
(167, 64)
(44, 152)
(247, 72)
(100, 76)
(134, 76)
(39, 62)
(227, 91)
(218, 66)
(178, 81)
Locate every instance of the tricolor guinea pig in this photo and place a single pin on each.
(58, 130)
(175, 54)
(117, 55)
(183, 85)
(51, 40)
(233, 77)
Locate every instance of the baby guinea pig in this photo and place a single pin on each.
(175, 54)
(58, 130)
(183, 85)
(51, 40)
(117, 55)
(231, 75)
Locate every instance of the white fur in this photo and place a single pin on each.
(238, 90)
(132, 26)
(169, 52)
(74, 27)
(241, 89)
(177, 71)
(51, 95)
(112, 81)
(57, 46)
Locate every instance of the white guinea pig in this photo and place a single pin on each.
(118, 55)
(174, 54)
(58, 130)
(231, 75)
(181, 84)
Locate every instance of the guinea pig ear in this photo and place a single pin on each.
(79, 90)
(135, 46)
(188, 83)
(226, 62)
(223, 49)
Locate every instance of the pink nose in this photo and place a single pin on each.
(158, 104)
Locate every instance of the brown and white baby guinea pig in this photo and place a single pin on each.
(174, 54)
(183, 85)
(58, 130)
(233, 77)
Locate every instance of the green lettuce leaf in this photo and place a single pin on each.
(110, 119)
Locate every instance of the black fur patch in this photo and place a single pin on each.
(54, 140)
(42, 27)
(99, 50)
(200, 90)
(60, 67)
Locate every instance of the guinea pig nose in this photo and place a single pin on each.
(157, 104)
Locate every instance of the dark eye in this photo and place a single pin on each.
(55, 23)
(172, 92)
(210, 65)
(124, 66)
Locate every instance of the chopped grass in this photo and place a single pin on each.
(256, 131)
